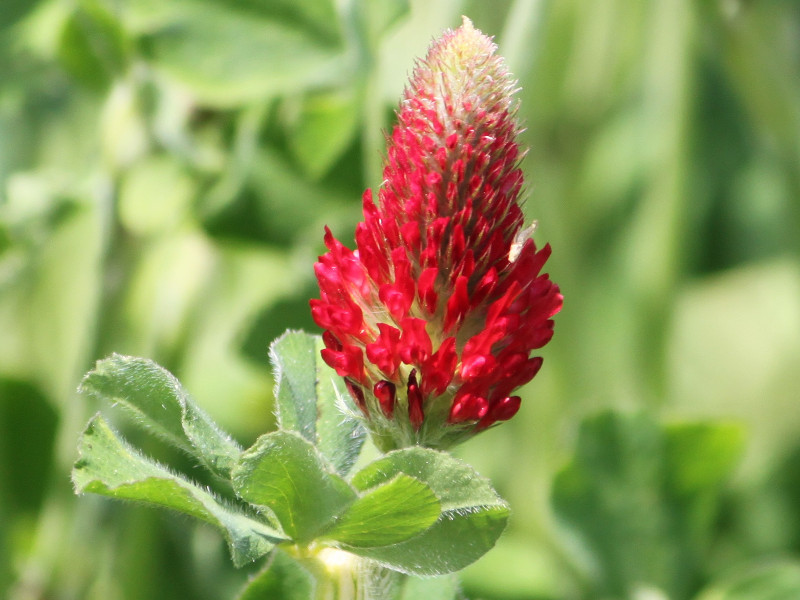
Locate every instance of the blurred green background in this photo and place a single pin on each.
(167, 166)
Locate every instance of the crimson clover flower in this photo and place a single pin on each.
(432, 320)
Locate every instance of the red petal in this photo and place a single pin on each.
(485, 286)
(330, 341)
(385, 393)
(341, 319)
(517, 370)
(370, 252)
(347, 362)
(426, 289)
(383, 352)
(457, 243)
(501, 411)
(433, 178)
(411, 236)
(468, 407)
(415, 345)
(476, 366)
(415, 414)
(357, 394)
(437, 372)
(457, 305)
(399, 296)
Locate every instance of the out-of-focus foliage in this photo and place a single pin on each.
(166, 167)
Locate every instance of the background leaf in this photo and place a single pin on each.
(775, 581)
(377, 17)
(432, 588)
(644, 511)
(322, 126)
(318, 16)
(33, 431)
(227, 56)
(93, 47)
(155, 195)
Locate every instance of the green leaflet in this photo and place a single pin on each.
(473, 515)
(307, 395)
(390, 513)
(285, 473)
(110, 467)
(162, 406)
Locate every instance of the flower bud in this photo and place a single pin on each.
(432, 320)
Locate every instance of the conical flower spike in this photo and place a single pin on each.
(432, 320)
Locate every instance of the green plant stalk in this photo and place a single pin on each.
(340, 575)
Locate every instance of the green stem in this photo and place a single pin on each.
(340, 575)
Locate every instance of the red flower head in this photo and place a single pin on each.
(432, 320)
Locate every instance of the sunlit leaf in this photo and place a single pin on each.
(388, 514)
(473, 515)
(283, 472)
